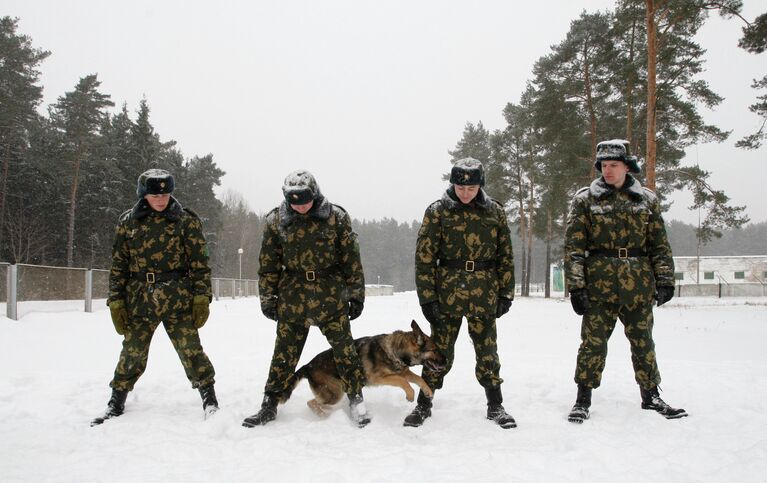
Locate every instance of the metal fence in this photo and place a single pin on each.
(722, 290)
(21, 283)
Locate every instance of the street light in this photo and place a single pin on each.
(239, 252)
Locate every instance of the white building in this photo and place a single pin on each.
(716, 270)
(726, 276)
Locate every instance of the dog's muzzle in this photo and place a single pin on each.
(433, 365)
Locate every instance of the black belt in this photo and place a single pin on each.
(618, 252)
(311, 275)
(153, 277)
(468, 265)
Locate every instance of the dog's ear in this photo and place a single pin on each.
(417, 331)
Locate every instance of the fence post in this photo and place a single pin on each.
(12, 289)
(234, 288)
(89, 290)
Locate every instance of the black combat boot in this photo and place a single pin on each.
(421, 411)
(495, 410)
(267, 412)
(580, 410)
(358, 410)
(209, 401)
(115, 407)
(651, 400)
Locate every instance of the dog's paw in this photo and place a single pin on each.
(317, 408)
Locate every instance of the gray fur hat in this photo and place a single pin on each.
(154, 182)
(615, 150)
(300, 188)
(468, 171)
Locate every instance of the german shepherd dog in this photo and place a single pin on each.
(386, 360)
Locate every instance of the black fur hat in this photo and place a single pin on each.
(615, 150)
(468, 171)
(300, 188)
(155, 182)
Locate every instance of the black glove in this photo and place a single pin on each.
(270, 311)
(663, 294)
(355, 308)
(579, 299)
(504, 305)
(431, 312)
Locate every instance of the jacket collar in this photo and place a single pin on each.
(142, 209)
(450, 200)
(320, 210)
(632, 187)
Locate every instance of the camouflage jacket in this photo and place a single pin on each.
(454, 231)
(309, 265)
(602, 217)
(148, 241)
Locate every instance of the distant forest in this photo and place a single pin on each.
(388, 248)
(67, 170)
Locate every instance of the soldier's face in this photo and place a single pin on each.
(302, 209)
(614, 172)
(466, 193)
(158, 202)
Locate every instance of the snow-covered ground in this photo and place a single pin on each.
(55, 364)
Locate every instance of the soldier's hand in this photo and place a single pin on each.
(504, 305)
(431, 312)
(579, 299)
(119, 315)
(663, 294)
(200, 310)
(355, 308)
(269, 311)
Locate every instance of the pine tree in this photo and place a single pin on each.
(196, 180)
(79, 115)
(754, 40)
(20, 95)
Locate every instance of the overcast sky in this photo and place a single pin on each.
(367, 95)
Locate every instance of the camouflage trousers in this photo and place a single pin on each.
(596, 327)
(484, 336)
(291, 337)
(185, 339)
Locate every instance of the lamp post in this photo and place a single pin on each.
(239, 252)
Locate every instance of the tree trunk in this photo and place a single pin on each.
(530, 224)
(3, 188)
(76, 162)
(522, 227)
(590, 107)
(630, 93)
(652, 57)
(547, 289)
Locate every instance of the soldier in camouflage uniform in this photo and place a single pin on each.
(310, 274)
(159, 274)
(464, 267)
(617, 260)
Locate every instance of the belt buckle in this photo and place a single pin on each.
(469, 266)
(623, 253)
(310, 276)
(150, 278)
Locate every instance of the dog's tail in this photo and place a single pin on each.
(302, 373)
